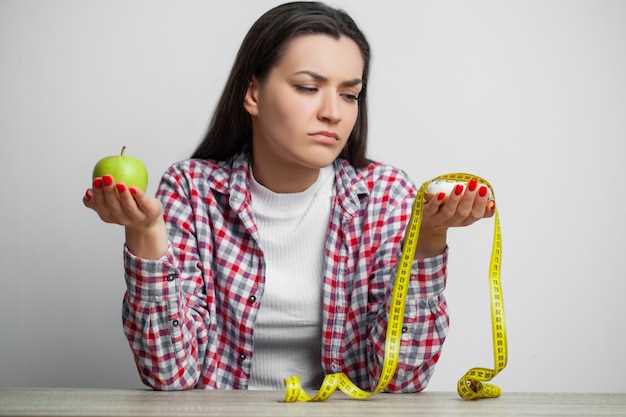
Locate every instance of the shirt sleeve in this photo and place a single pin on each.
(425, 322)
(164, 311)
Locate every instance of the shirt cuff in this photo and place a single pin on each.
(429, 275)
(148, 279)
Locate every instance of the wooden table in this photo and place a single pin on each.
(126, 402)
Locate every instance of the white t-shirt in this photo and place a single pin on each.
(288, 329)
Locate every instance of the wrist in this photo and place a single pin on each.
(431, 242)
(149, 229)
(147, 242)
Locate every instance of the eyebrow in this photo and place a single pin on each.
(321, 78)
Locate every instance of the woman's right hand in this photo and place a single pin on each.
(117, 204)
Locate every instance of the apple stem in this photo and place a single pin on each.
(123, 149)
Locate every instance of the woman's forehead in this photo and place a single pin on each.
(338, 59)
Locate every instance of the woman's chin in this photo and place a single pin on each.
(319, 158)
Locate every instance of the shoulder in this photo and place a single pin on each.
(385, 182)
(196, 174)
(194, 168)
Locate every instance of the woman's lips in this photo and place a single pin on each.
(326, 133)
(321, 138)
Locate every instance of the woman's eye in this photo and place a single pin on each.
(349, 97)
(305, 89)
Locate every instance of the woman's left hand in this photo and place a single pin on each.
(464, 206)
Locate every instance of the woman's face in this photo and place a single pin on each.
(312, 88)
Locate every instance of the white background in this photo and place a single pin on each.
(530, 95)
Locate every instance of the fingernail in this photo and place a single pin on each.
(472, 185)
(482, 191)
(97, 183)
(108, 180)
(87, 195)
(441, 196)
(133, 191)
(120, 187)
(458, 189)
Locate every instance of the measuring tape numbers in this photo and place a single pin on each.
(471, 386)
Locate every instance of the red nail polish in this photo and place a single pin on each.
(482, 191)
(120, 187)
(458, 189)
(133, 191)
(97, 183)
(108, 180)
(441, 196)
(472, 184)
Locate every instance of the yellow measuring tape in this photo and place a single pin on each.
(473, 384)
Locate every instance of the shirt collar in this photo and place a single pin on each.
(232, 177)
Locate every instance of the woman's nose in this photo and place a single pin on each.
(329, 109)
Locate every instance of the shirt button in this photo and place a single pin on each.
(242, 357)
(199, 264)
(252, 299)
(404, 329)
(175, 323)
(171, 277)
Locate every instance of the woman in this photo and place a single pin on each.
(272, 250)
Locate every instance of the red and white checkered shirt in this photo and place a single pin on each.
(189, 317)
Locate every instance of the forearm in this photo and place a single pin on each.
(166, 331)
(150, 243)
(425, 325)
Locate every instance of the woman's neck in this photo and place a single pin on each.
(281, 176)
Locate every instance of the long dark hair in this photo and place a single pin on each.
(230, 128)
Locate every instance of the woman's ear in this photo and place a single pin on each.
(251, 99)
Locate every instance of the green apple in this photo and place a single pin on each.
(131, 171)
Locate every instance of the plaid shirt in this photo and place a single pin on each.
(189, 316)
